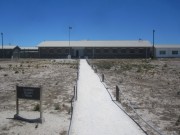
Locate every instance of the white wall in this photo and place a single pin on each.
(168, 52)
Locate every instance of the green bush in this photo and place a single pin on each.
(16, 72)
(10, 65)
(139, 70)
(36, 107)
(56, 106)
(165, 65)
(37, 66)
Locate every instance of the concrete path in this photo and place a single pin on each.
(94, 111)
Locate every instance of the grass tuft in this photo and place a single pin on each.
(36, 107)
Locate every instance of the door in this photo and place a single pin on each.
(77, 53)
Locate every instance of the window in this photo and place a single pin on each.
(123, 50)
(89, 50)
(51, 51)
(66, 50)
(174, 52)
(106, 50)
(131, 51)
(114, 50)
(140, 50)
(8, 52)
(59, 50)
(97, 50)
(162, 52)
(43, 51)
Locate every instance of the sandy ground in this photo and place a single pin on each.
(151, 87)
(57, 78)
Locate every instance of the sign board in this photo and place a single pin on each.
(32, 93)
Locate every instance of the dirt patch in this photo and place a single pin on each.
(57, 78)
(151, 87)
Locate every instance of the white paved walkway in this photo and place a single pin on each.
(94, 112)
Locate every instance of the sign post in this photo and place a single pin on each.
(29, 93)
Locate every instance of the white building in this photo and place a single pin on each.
(167, 51)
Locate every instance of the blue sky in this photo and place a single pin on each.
(28, 22)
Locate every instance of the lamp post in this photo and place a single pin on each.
(2, 45)
(69, 38)
(153, 44)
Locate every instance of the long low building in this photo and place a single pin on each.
(14, 51)
(95, 49)
(167, 51)
(9, 51)
(91, 49)
(29, 52)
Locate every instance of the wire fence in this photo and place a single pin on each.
(103, 80)
(73, 99)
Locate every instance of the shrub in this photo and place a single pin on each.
(165, 65)
(178, 93)
(10, 65)
(16, 72)
(56, 106)
(1, 68)
(63, 133)
(178, 122)
(104, 65)
(36, 107)
(37, 66)
(139, 69)
(23, 71)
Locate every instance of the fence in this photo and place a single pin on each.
(119, 96)
(74, 98)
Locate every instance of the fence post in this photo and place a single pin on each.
(76, 89)
(102, 77)
(117, 93)
(17, 102)
(95, 70)
(74, 92)
(78, 74)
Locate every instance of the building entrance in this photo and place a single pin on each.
(77, 53)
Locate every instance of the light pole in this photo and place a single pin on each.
(69, 38)
(2, 45)
(153, 44)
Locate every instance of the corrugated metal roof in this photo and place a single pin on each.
(8, 47)
(138, 43)
(167, 46)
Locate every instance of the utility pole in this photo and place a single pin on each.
(69, 38)
(153, 45)
(2, 45)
